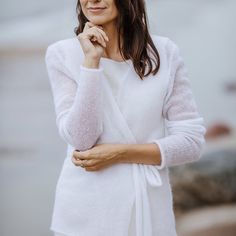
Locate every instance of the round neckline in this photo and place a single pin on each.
(112, 60)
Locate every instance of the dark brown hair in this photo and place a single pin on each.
(132, 24)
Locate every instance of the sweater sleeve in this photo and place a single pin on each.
(185, 127)
(77, 101)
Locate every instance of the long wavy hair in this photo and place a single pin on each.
(132, 24)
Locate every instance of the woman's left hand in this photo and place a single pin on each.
(98, 157)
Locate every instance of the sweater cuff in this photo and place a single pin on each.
(90, 75)
(163, 158)
(93, 70)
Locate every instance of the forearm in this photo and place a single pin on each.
(84, 120)
(77, 99)
(148, 154)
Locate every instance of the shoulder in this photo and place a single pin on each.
(163, 41)
(160, 39)
(168, 45)
(61, 47)
(62, 44)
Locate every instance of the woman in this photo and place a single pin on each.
(116, 90)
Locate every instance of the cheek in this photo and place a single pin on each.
(114, 10)
(83, 7)
(114, 13)
(82, 3)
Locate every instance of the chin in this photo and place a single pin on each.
(97, 21)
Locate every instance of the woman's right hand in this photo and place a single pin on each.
(93, 41)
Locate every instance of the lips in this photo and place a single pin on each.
(96, 8)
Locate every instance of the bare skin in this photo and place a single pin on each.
(100, 39)
(107, 154)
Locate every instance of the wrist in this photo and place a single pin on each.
(140, 153)
(124, 151)
(91, 62)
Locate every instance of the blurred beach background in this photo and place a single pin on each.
(32, 154)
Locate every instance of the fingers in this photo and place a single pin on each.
(85, 163)
(95, 33)
(81, 155)
(88, 161)
(99, 166)
(88, 25)
(94, 36)
(94, 168)
(103, 34)
(90, 165)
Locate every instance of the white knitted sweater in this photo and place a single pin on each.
(79, 107)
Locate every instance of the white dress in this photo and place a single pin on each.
(112, 105)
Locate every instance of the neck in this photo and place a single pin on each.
(112, 49)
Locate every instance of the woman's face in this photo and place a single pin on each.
(99, 12)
